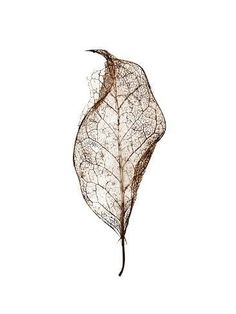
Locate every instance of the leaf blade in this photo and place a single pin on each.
(115, 141)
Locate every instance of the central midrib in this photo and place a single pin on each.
(120, 161)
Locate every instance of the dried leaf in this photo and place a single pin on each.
(115, 141)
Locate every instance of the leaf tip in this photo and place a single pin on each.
(101, 52)
(91, 50)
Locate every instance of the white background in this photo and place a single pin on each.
(56, 256)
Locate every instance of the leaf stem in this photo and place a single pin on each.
(123, 255)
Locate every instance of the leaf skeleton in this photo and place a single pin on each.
(115, 140)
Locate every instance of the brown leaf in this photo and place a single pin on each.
(115, 141)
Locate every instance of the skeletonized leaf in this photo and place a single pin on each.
(115, 141)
